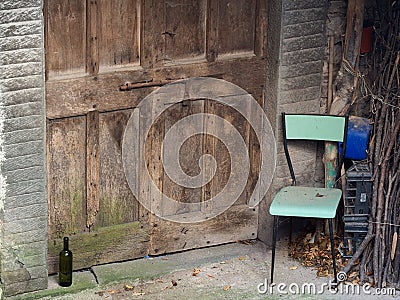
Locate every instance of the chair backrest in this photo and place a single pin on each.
(313, 127)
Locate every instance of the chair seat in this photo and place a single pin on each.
(298, 201)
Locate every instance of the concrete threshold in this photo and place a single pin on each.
(147, 268)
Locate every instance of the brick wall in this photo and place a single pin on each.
(23, 203)
(296, 45)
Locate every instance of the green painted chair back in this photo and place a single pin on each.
(313, 127)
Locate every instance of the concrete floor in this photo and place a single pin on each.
(230, 271)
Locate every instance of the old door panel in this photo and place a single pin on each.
(66, 154)
(65, 38)
(117, 204)
(184, 36)
(119, 33)
(93, 48)
(236, 26)
(189, 155)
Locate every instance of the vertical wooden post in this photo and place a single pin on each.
(92, 167)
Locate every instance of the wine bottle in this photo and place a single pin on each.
(65, 265)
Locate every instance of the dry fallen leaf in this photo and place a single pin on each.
(196, 272)
(164, 258)
(174, 283)
(242, 258)
(128, 287)
(211, 276)
(101, 293)
(293, 268)
(227, 287)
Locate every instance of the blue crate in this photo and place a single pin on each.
(357, 138)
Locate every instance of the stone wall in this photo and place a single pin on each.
(23, 203)
(296, 45)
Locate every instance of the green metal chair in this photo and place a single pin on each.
(301, 201)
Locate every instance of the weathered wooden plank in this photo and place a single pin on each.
(236, 30)
(65, 37)
(189, 155)
(220, 152)
(107, 244)
(212, 30)
(92, 167)
(117, 204)
(152, 47)
(78, 96)
(237, 223)
(119, 33)
(66, 180)
(260, 43)
(93, 38)
(184, 30)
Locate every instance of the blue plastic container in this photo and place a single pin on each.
(357, 138)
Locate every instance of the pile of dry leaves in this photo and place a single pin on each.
(316, 253)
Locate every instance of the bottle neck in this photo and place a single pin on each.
(65, 243)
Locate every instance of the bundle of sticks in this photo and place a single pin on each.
(380, 250)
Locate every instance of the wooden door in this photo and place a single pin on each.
(104, 57)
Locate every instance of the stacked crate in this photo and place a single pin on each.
(356, 206)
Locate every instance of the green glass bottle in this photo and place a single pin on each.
(65, 265)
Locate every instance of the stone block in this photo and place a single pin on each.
(21, 83)
(304, 4)
(23, 149)
(27, 109)
(307, 28)
(290, 96)
(301, 82)
(302, 56)
(25, 225)
(32, 41)
(302, 16)
(25, 200)
(12, 4)
(30, 173)
(22, 97)
(18, 29)
(21, 56)
(20, 15)
(303, 42)
(28, 122)
(307, 68)
(25, 286)
(311, 106)
(25, 135)
(28, 237)
(20, 70)
(25, 187)
(37, 210)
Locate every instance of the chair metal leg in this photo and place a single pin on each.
(276, 222)
(333, 250)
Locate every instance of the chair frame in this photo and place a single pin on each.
(293, 177)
